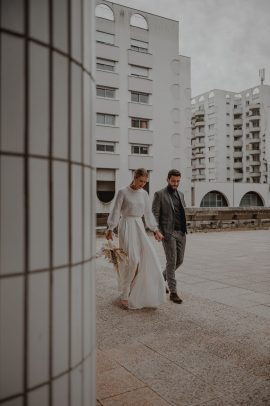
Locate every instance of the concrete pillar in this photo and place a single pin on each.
(47, 203)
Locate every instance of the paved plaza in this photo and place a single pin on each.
(211, 350)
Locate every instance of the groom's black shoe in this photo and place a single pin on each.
(175, 298)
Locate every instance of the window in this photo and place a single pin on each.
(214, 199)
(139, 97)
(105, 64)
(104, 37)
(140, 149)
(105, 185)
(105, 119)
(137, 20)
(139, 123)
(251, 199)
(139, 71)
(105, 147)
(139, 46)
(103, 11)
(107, 92)
(211, 160)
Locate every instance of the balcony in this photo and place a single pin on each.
(108, 106)
(254, 151)
(109, 79)
(254, 174)
(238, 143)
(199, 123)
(238, 110)
(200, 177)
(140, 58)
(200, 166)
(107, 160)
(237, 176)
(200, 144)
(140, 136)
(107, 133)
(238, 165)
(237, 121)
(254, 139)
(140, 84)
(199, 155)
(140, 110)
(107, 51)
(238, 154)
(140, 161)
(238, 132)
(198, 134)
(255, 129)
(255, 116)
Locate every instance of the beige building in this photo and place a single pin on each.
(231, 141)
(142, 101)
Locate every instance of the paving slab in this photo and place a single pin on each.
(212, 350)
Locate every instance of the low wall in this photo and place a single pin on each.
(207, 219)
(201, 219)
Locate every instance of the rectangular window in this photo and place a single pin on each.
(139, 97)
(140, 149)
(105, 119)
(104, 37)
(105, 64)
(139, 71)
(139, 123)
(105, 147)
(107, 92)
(139, 46)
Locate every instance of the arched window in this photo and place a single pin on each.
(214, 199)
(137, 20)
(104, 11)
(201, 99)
(251, 199)
(105, 185)
(211, 94)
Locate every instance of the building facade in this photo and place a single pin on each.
(47, 192)
(231, 143)
(142, 101)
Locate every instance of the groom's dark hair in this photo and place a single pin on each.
(174, 172)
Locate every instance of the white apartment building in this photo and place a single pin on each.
(231, 144)
(143, 111)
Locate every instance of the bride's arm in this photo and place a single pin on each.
(115, 213)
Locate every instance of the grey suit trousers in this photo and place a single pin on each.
(174, 251)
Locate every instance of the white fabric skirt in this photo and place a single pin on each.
(140, 279)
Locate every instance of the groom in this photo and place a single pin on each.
(168, 209)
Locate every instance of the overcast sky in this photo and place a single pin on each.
(228, 40)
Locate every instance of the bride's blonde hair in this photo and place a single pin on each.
(140, 172)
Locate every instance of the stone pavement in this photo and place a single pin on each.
(212, 350)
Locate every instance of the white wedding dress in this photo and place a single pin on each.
(140, 279)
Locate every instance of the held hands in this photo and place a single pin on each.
(109, 235)
(158, 236)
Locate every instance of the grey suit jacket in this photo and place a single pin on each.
(163, 211)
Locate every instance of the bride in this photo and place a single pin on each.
(140, 279)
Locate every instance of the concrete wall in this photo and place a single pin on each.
(47, 184)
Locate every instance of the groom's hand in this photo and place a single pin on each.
(158, 236)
